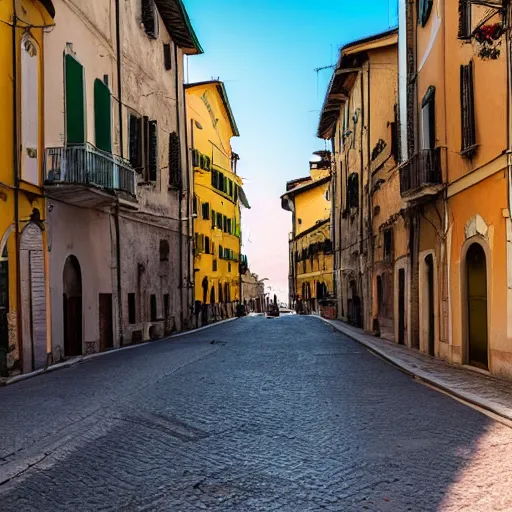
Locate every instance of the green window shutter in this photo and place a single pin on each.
(102, 116)
(75, 101)
(135, 137)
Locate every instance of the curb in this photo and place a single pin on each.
(422, 376)
(84, 359)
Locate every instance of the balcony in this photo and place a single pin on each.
(421, 177)
(83, 175)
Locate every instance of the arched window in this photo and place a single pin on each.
(164, 250)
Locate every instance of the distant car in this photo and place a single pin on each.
(273, 310)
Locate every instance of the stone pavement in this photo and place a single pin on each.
(255, 415)
(486, 391)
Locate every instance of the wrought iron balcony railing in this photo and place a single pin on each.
(421, 171)
(84, 164)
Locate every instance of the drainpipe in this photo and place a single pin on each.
(370, 201)
(361, 216)
(190, 221)
(191, 233)
(180, 191)
(16, 185)
(121, 152)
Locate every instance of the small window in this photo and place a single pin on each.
(388, 244)
(214, 266)
(229, 266)
(219, 220)
(425, 8)
(164, 250)
(467, 110)
(131, 308)
(428, 120)
(353, 191)
(150, 18)
(207, 245)
(221, 252)
(152, 307)
(214, 219)
(102, 116)
(167, 56)
(464, 19)
(206, 211)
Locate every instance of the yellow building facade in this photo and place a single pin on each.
(310, 243)
(24, 291)
(218, 195)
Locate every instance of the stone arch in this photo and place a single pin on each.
(33, 298)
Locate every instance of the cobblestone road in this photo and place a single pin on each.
(278, 414)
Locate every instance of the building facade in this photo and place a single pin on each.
(117, 173)
(24, 288)
(455, 178)
(359, 117)
(253, 292)
(218, 195)
(310, 242)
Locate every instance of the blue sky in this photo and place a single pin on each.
(266, 53)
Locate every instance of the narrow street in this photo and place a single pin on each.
(277, 414)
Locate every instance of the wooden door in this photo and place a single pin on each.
(401, 306)
(477, 306)
(106, 322)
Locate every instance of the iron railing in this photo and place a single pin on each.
(85, 164)
(422, 170)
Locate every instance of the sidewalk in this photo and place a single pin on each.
(6, 381)
(490, 393)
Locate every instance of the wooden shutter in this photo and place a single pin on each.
(153, 150)
(467, 109)
(75, 101)
(145, 147)
(149, 18)
(135, 141)
(102, 116)
(174, 160)
(167, 56)
(214, 218)
(464, 19)
(195, 158)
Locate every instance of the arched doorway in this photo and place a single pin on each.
(205, 290)
(4, 309)
(72, 304)
(33, 298)
(431, 339)
(476, 275)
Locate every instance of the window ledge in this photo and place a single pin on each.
(470, 151)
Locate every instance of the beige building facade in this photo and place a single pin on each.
(117, 173)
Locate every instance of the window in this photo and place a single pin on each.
(174, 160)
(75, 101)
(207, 245)
(428, 120)
(164, 250)
(230, 189)
(394, 136)
(236, 193)
(464, 19)
(206, 211)
(425, 8)
(152, 308)
(214, 266)
(221, 252)
(199, 243)
(102, 116)
(219, 220)
(131, 308)
(224, 224)
(353, 191)
(195, 158)
(214, 218)
(30, 82)
(135, 141)
(467, 110)
(388, 244)
(229, 225)
(167, 56)
(150, 18)
(152, 151)
(215, 178)
(194, 204)
(229, 266)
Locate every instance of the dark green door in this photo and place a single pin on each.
(477, 306)
(75, 101)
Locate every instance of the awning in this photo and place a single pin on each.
(243, 198)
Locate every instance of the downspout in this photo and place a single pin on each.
(334, 174)
(16, 181)
(361, 216)
(190, 221)
(121, 153)
(191, 233)
(180, 191)
(370, 199)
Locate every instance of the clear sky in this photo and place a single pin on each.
(266, 53)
